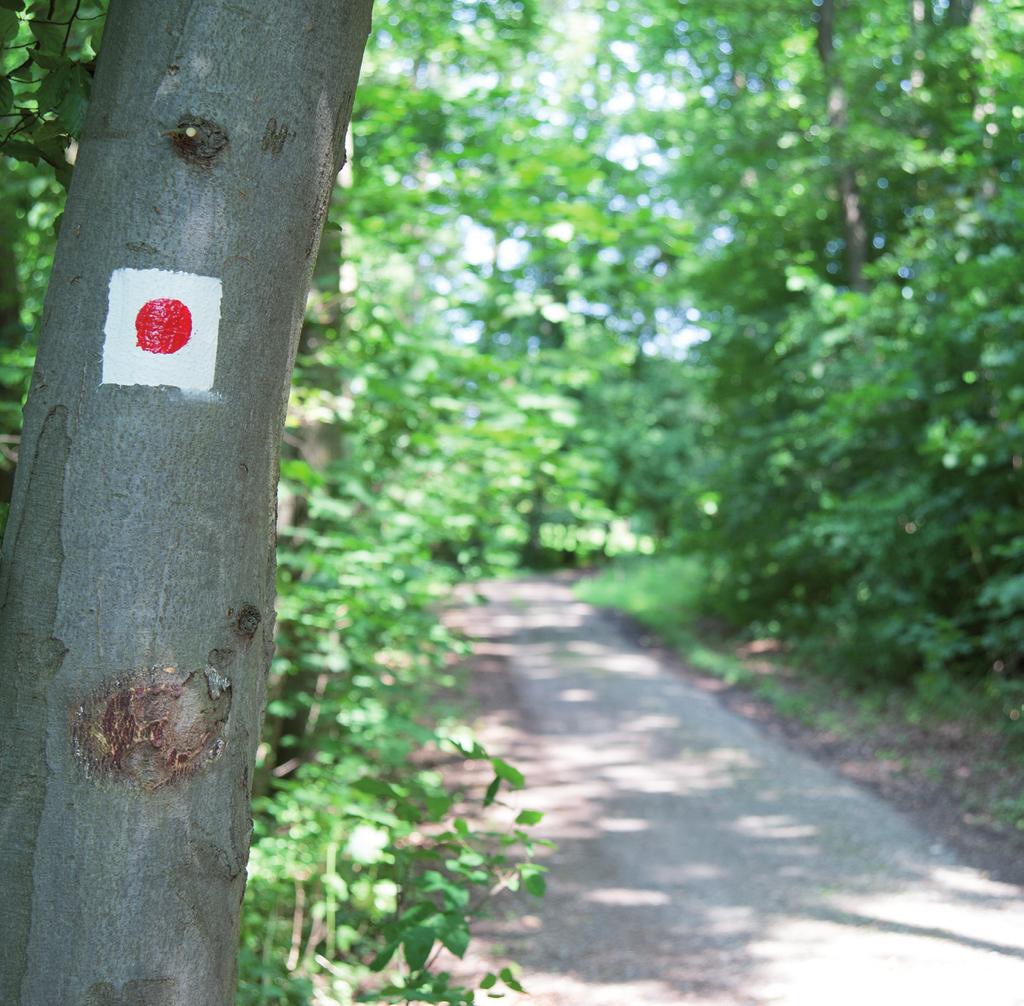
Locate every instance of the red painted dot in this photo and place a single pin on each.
(163, 326)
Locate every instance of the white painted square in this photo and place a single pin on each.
(145, 304)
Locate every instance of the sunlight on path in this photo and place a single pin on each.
(702, 862)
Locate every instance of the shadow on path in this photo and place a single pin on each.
(701, 861)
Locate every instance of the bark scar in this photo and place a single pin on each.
(152, 728)
(275, 136)
(149, 992)
(198, 141)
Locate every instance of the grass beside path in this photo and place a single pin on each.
(914, 747)
(663, 593)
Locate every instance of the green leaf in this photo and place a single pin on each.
(75, 103)
(535, 884)
(6, 95)
(374, 787)
(22, 151)
(510, 980)
(23, 71)
(530, 817)
(438, 806)
(381, 960)
(50, 60)
(492, 791)
(48, 35)
(416, 945)
(9, 24)
(511, 775)
(54, 87)
(456, 938)
(96, 37)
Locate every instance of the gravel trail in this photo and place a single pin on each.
(701, 861)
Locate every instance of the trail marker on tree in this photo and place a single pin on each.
(161, 329)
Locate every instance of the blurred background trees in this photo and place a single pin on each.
(734, 282)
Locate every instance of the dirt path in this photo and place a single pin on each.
(701, 861)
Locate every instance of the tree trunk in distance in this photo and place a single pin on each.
(854, 229)
(137, 585)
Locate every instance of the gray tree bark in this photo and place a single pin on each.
(137, 584)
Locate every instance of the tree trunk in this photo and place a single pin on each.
(136, 591)
(533, 550)
(960, 12)
(918, 25)
(854, 230)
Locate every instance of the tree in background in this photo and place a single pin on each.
(854, 477)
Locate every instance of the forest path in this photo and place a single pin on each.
(701, 861)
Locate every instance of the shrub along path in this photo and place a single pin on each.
(701, 860)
